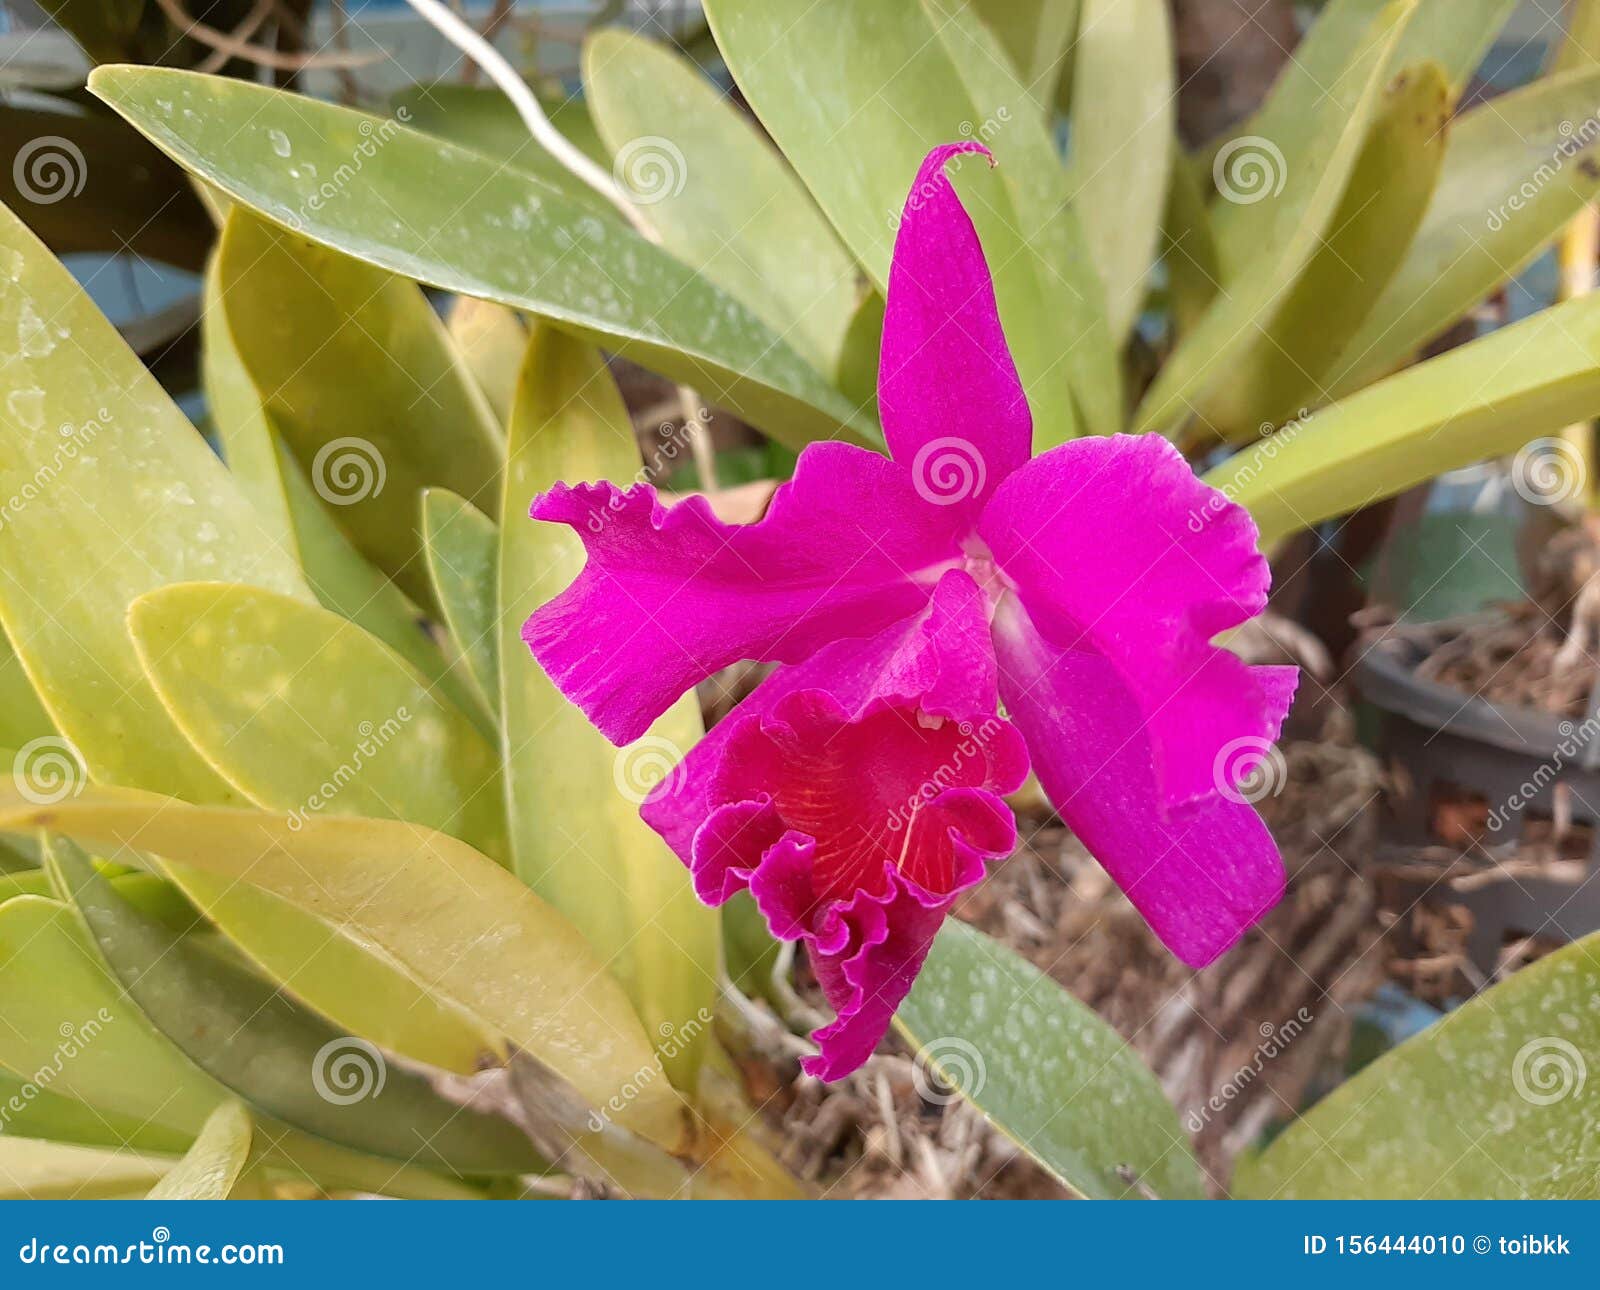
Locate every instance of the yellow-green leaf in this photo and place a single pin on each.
(1124, 132)
(441, 912)
(32, 1170)
(463, 556)
(1481, 400)
(491, 339)
(211, 1167)
(304, 713)
(609, 873)
(305, 319)
(721, 197)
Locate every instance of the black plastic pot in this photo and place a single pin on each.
(1514, 759)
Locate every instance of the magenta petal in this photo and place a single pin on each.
(953, 409)
(1202, 873)
(941, 660)
(668, 596)
(1114, 546)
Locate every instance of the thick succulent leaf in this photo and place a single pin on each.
(105, 28)
(304, 318)
(1481, 400)
(276, 1054)
(70, 1029)
(1274, 380)
(1494, 1102)
(1189, 251)
(31, 1170)
(433, 906)
(1045, 1070)
(721, 197)
(134, 494)
(518, 241)
(34, 1112)
(211, 1167)
(1516, 171)
(1124, 132)
(1456, 34)
(1580, 47)
(463, 558)
(1037, 36)
(277, 487)
(22, 717)
(660, 942)
(303, 712)
(1266, 243)
(885, 83)
(113, 194)
(491, 339)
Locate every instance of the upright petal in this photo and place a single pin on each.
(1114, 546)
(1202, 873)
(671, 595)
(953, 409)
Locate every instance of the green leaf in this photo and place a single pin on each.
(1478, 401)
(1516, 171)
(480, 117)
(660, 942)
(70, 1030)
(1124, 133)
(492, 340)
(463, 555)
(884, 84)
(1037, 36)
(1189, 249)
(105, 28)
(438, 910)
(303, 712)
(1456, 34)
(518, 241)
(269, 476)
(30, 1111)
(305, 318)
(211, 1167)
(133, 493)
(720, 196)
(1274, 380)
(279, 1056)
(1266, 240)
(52, 1171)
(1046, 1071)
(1489, 1103)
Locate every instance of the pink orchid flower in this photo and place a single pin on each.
(859, 790)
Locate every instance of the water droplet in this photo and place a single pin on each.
(279, 141)
(27, 406)
(33, 337)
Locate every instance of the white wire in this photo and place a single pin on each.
(460, 34)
